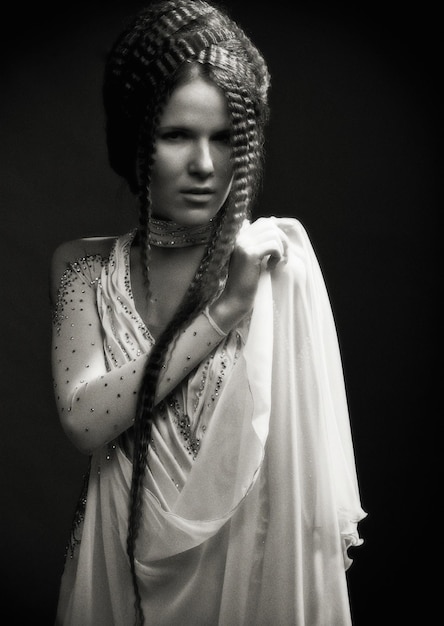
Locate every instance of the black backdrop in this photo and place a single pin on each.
(351, 152)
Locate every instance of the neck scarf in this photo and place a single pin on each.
(171, 235)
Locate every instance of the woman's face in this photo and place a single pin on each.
(192, 172)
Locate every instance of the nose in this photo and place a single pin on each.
(201, 161)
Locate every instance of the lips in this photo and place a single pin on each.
(198, 191)
(198, 196)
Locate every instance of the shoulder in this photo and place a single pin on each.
(301, 257)
(292, 227)
(297, 237)
(93, 250)
(69, 252)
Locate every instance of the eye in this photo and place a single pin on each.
(172, 135)
(223, 137)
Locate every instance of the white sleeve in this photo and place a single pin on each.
(96, 403)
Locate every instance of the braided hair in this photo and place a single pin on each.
(146, 63)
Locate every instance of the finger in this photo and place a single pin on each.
(264, 240)
(281, 257)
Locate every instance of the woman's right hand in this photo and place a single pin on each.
(260, 245)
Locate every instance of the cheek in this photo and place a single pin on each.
(225, 167)
(164, 167)
(227, 187)
(161, 183)
(229, 175)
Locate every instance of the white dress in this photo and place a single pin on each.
(251, 497)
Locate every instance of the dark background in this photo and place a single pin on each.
(352, 152)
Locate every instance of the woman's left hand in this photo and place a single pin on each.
(261, 244)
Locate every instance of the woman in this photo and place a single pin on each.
(195, 360)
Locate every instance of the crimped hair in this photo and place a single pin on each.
(150, 58)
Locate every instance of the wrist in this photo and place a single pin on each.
(213, 323)
(226, 313)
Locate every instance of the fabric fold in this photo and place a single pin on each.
(254, 528)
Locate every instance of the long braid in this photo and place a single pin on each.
(145, 408)
(194, 301)
(142, 428)
(143, 68)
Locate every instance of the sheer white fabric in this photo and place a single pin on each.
(251, 504)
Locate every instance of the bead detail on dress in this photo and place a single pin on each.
(79, 515)
(78, 270)
(183, 423)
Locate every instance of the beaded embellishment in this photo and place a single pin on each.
(183, 424)
(79, 515)
(78, 270)
(170, 235)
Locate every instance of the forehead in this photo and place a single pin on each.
(196, 103)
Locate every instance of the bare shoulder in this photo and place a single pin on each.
(69, 252)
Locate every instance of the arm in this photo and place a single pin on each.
(96, 404)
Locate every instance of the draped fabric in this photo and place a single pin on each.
(251, 497)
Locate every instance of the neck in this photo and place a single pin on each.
(165, 234)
